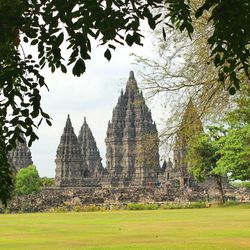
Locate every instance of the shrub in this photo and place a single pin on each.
(47, 182)
(184, 205)
(27, 181)
(141, 206)
(244, 184)
(172, 206)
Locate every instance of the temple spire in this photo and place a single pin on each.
(20, 157)
(90, 151)
(131, 83)
(68, 122)
(69, 161)
(131, 123)
(131, 75)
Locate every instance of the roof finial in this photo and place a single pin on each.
(131, 75)
(68, 121)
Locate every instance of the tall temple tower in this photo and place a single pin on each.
(132, 144)
(20, 157)
(90, 152)
(70, 165)
(190, 128)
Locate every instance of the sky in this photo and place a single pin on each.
(93, 95)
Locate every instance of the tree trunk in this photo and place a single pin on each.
(219, 183)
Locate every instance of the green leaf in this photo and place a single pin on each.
(48, 122)
(232, 90)
(151, 23)
(59, 39)
(129, 40)
(79, 67)
(112, 46)
(34, 42)
(164, 34)
(107, 54)
(25, 39)
(63, 68)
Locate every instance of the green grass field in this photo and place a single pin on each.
(213, 228)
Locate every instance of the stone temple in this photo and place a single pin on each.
(20, 157)
(132, 152)
(78, 162)
(189, 129)
(129, 159)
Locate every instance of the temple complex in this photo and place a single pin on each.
(132, 172)
(132, 148)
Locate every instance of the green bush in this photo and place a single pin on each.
(244, 184)
(232, 204)
(47, 182)
(172, 206)
(141, 206)
(184, 205)
(27, 181)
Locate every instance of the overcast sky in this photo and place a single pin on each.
(93, 95)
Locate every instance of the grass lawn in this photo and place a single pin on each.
(212, 228)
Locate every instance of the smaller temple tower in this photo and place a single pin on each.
(20, 157)
(70, 165)
(190, 128)
(90, 152)
(167, 170)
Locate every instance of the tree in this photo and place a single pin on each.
(27, 181)
(184, 69)
(235, 154)
(235, 150)
(6, 180)
(203, 157)
(225, 151)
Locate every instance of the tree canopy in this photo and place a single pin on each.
(235, 146)
(47, 24)
(203, 157)
(224, 150)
